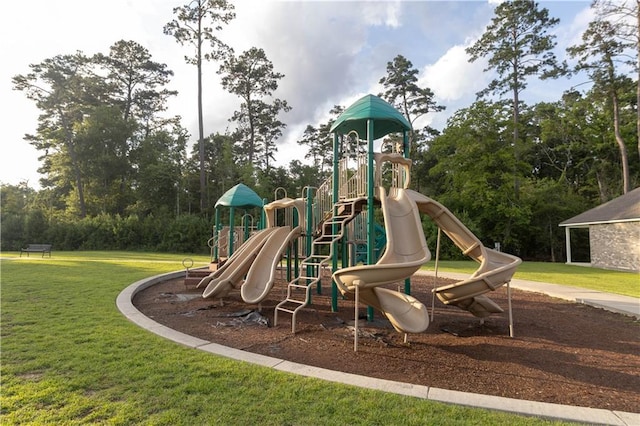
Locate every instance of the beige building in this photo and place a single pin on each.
(614, 233)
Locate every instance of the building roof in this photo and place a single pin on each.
(625, 208)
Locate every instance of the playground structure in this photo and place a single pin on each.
(334, 225)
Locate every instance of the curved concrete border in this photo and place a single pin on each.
(124, 303)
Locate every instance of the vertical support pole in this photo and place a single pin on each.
(334, 200)
(216, 236)
(405, 154)
(435, 278)
(371, 230)
(567, 241)
(246, 224)
(355, 319)
(306, 192)
(511, 333)
(294, 245)
(263, 216)
(232, 219)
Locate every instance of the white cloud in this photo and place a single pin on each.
(331, 52)
(453, 77)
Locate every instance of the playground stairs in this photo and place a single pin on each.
(194, 276)
(329, 231)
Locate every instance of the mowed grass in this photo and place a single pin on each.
(69, 357)
(618, 282)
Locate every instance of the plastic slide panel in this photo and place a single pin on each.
(405, 253)
(496, 268)
(232, 275)
(260, 235)
(261, 275)
(497, 274)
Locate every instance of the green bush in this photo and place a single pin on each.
(162, 233)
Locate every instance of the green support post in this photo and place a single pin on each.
(216, 236)
(334, 200)
(370, 204)
(232, 219)
(405, 152)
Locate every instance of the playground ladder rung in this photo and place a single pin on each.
(285, 309)
(324, 242)
(337, 219)
(313, 263)
(301, 286)
(316, 258)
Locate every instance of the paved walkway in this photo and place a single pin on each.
(620, 304)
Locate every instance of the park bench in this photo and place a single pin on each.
(36, 248)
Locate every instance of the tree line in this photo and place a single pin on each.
(117, 173)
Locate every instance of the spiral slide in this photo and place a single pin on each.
(496, 268)
(405, 252)
(220, 282)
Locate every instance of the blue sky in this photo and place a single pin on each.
(331, 52)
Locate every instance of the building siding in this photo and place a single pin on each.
(615, 246)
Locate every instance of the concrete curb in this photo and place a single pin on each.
(124, 302)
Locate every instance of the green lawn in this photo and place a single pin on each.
(69, 357)
(618, 282)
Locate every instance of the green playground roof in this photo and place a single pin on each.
(386, 119)
(240, 196)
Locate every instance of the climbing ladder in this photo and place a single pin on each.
(330, 231)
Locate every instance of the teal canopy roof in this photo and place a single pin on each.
(386, 119)
(240, 196)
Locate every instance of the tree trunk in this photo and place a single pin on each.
(200, 120)
(516, 133)
(621, 145)
(638, 83)
(77, 174)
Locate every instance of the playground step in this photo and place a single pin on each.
(194, 276)
(314, 264)
(326, 239)
(331, 230)
(301, 286)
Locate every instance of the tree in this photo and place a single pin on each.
(65, 92)
(472, 171)
(598, 55)
(103, 157)
(518, 46)
(137, 84)
(402, 91)
(625, 17)
(320, 141)
(572, 147)
(191, 28)
(159, 159)
(251, 77)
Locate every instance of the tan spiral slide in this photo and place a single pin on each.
(496, 268)
(405, 253)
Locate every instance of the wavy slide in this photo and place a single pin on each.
(405, 253)
(220, 282)
(257, 259)
(496, 268)
(261, 276)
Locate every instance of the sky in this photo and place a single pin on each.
(331, 53)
